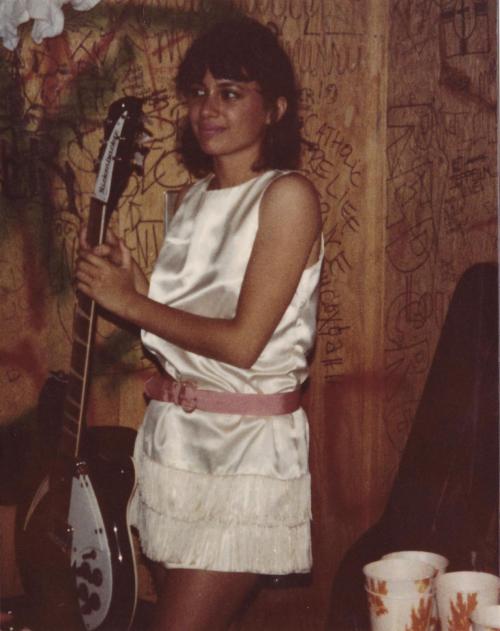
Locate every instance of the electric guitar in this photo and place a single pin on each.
(74, 545)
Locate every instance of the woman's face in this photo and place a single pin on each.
(228, 118)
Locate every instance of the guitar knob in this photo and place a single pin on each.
(96, 578)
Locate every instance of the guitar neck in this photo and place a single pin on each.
(122, 124)
(84, 319)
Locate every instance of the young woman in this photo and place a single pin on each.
(222, 455)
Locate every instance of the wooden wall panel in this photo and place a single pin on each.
(441, 214)
(399, 100)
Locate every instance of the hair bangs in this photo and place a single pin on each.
(228, 67)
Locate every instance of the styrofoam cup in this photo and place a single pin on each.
(459, 594)
(438, 562)
(399, 593)
(398, 577)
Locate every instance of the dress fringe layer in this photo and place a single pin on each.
(237, 523)
(225, 548)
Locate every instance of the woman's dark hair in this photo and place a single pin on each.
(242, 49)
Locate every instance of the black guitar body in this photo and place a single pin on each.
(77, 562)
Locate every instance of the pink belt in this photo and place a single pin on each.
(189, 397)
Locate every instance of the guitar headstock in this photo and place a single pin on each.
(123, 131)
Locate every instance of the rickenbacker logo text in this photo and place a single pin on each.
(105, 175)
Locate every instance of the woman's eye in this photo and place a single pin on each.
(196, 92)
(229, 94)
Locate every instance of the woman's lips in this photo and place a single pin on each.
(208, 131)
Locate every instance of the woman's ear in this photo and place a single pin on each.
(278, 110)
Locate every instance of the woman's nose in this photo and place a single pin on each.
(210, 104)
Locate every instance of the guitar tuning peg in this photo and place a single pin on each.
(138, 161)
(145, 142)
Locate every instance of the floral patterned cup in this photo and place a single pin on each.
(438, 561)
(399, 594)
(459, 594)
(486, 618)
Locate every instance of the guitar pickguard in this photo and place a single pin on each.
(90, 553)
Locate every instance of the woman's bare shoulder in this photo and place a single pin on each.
(293, 183)
(294, 194)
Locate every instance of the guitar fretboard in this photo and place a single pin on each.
(83, 335)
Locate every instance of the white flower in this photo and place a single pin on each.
(12, 13)
(48, 18)
(47, 15)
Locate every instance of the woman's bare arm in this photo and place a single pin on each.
(287, 241)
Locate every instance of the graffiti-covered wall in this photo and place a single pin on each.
(398, 101)
(441, 214)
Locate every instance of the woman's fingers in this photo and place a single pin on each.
(102, 250)
(109, 249)
(93, 259)
(85, 274)
(89, 267)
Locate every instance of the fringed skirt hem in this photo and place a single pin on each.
(223, 547)
(231, 523)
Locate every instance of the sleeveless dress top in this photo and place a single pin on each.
(219, 491)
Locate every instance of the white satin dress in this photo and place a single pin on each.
(219, 491)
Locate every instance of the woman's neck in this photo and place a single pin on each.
(229, 174)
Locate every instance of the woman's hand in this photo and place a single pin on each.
(108, 274)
